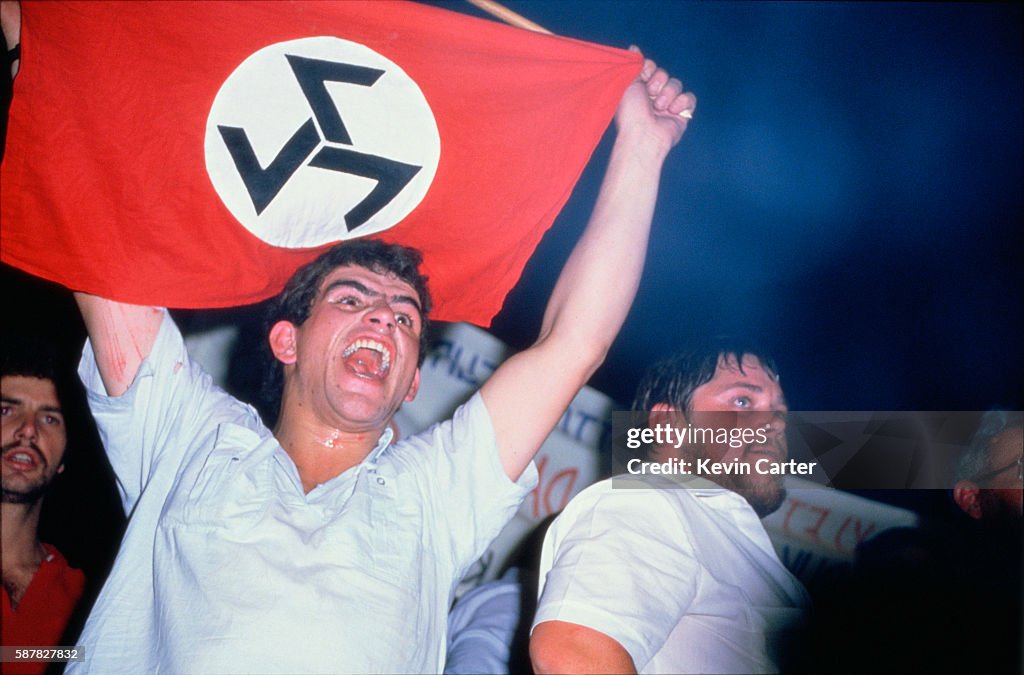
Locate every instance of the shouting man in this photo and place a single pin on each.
(324, 545)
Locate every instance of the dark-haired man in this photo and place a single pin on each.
(659, 578)
(40, 589)
(321, 545)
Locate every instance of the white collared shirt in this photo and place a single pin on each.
(228, 566)
(685, 579)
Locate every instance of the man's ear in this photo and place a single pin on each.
(966, 495)
(663, 413)
(414, 387)
(282, 342)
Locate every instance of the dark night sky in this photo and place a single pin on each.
(849, 194)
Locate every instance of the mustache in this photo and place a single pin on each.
(21, 446)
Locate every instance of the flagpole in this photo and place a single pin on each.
(508, 16)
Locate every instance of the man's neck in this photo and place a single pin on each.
(18, 525)
(320, 452)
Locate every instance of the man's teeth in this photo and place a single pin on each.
(375, 346)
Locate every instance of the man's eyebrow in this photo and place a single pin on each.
(756, 388)
(349, 283)
(744, 385)
(46, 408)
(409, 300)
(362, 288)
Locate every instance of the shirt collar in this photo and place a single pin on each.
(383, 443)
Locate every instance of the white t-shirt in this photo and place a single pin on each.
(685, 579)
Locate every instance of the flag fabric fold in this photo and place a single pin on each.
(194, 154)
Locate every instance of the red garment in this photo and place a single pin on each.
(44, 610)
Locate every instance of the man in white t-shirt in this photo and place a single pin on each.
(320, 545)
(675, 573)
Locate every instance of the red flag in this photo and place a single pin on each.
(195, 154)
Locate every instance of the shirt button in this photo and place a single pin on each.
(381, 481)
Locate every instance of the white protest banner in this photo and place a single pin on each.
(816, 527)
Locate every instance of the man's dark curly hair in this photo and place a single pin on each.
(295, 302)
(674, 379)
(37, 356)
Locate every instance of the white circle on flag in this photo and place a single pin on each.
(277, 161)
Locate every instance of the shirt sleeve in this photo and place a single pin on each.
(618, 561)
(167, 411)
(472, 495)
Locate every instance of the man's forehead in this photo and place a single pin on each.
(730, 367)
(384, 282)
(753, 375)
(1008, 443)
(40, 389)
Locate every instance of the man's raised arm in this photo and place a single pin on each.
(122, 336)
(528, 393)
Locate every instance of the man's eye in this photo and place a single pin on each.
(348, 300)
(5, 410)
(742, 402)
(404, 319)
(51, 419)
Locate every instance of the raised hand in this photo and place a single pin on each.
(656, 106)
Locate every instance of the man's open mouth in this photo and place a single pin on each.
(367, 358)
(22, 458)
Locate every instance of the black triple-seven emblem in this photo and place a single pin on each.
(264, 184)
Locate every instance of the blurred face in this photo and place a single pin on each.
(1001, 491)
(34, 437)
(748, 398)
(355, 359)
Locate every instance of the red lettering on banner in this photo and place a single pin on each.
(541, 496)
(813, 531)
(807, 532)
(862, 535)
(794, 504)
(535, 494)
(859, 534)
(570, 476)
